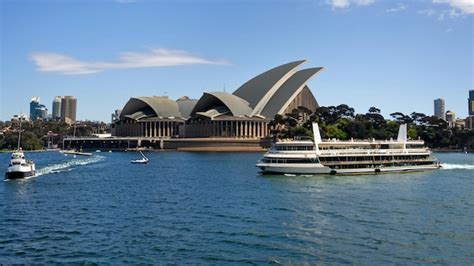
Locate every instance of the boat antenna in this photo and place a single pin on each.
(19, 137)
(317, 137)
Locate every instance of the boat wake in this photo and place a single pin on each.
(67, 166)
(449, 166)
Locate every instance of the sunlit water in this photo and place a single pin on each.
(214, 208)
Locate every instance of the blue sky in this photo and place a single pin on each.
(395, 55)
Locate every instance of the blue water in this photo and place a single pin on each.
(214, 208)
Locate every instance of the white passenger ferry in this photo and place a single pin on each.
(348, 157)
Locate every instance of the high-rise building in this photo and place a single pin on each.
(56, 108)
(451, 118)
(68, 109)
(471, 102)
(439, 110)
(37, 110)
(42, 112)
(34, 103)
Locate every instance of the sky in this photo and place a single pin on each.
(395, 55)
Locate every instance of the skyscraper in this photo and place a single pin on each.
(470, 102)
(37, 110)
(56, 108)
(68, 109)
(34, 103)
(439, 110)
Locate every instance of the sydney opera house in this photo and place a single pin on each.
(245, 113)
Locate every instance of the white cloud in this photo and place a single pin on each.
(63, 64)
(464, 6)
(399, 8)
(347, 3)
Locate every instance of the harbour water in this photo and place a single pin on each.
(214, 208)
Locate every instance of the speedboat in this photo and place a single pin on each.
(19, 167)
(142, 160)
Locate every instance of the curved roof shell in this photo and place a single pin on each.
(258, 90)
(186, 106)
(288, 91)
(140, 107)
(220, 103)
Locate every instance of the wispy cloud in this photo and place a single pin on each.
(427, 12)
(347, 3)
(398, 8)
(63, 64)
(463, 6)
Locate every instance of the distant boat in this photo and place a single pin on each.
(74, 152)
(142, 160)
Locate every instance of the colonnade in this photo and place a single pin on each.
(229, 129)
(147, 128)
(199, 129)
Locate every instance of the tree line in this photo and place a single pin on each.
(34, 135)
(341, 122)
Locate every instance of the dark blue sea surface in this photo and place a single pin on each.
(215, 208)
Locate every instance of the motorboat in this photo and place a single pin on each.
(143, 160)
(19, 167)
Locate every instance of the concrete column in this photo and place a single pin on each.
(240, 129)
(159, 126)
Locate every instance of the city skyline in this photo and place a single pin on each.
(395, 55)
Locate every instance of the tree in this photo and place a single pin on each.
(374, 110)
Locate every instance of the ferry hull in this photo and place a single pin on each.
(287, 169)
(281, 169)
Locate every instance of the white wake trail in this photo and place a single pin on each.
(450, 166)
(67, 166)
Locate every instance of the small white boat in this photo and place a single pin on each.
(74, 152)
(19, 167)
(142, 160)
